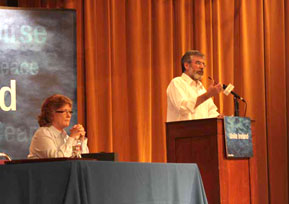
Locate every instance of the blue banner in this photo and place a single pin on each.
(238, 137)
(37, 60)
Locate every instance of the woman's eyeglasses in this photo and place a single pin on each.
(64, 111)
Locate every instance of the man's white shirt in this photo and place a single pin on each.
(182, 94)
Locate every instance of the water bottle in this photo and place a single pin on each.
(77, 149)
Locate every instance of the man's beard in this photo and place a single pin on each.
(198, 76)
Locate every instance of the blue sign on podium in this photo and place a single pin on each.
(238, 137)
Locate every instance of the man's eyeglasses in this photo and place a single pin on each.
(198, 63)
(64, 111)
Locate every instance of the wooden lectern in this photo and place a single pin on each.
(226, 181)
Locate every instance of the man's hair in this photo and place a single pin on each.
(187, 57)
(50, 105)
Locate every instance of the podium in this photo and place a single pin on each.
(226, 181)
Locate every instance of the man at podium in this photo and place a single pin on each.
(187, 98)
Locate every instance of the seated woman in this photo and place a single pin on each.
(51, 140)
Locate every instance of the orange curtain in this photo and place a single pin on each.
(276, 72)
(128, 51)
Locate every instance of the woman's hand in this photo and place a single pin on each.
(77, 132)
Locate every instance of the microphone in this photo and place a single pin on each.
(230, 88)
(234, 94)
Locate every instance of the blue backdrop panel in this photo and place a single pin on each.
(37, 60)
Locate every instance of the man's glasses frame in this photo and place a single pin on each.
(198, 63)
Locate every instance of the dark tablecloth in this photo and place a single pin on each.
(95, 182)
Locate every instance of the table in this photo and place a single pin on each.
(85, 182)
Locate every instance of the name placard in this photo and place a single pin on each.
(238, 137)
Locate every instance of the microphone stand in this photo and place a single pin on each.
(236, 106)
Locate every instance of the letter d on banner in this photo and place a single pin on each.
(12, 91)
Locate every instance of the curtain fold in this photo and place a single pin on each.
(128, 51)
(252, 86)
(275, 78)
(287, 81)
